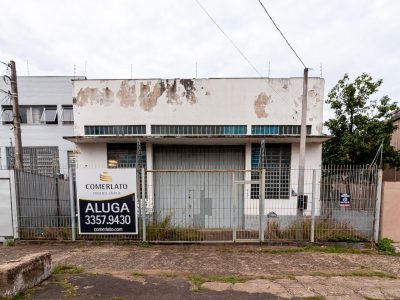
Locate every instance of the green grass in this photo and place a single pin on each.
(144, 245)
(69, 290)
(360, 273)
(122, 243)
(199, 280)
(314, 298)
(25, 295)
(9, 242)
(373, 274)
(283, 250)
(312, 248)
(67, 269)
(138, 274)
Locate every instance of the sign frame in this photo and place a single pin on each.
(345, 200)
(105, 177)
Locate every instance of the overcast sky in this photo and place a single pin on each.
(165, 39)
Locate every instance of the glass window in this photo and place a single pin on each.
(7, 115)
(67, 116)
(123, 155)
(277, 173)
(278, 129)
(49, 115)
(199, 129)
(116, 130)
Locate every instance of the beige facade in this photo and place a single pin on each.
(396, 135)
(390, 220)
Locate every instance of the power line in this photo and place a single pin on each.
(232, 42)
(241, 52)
(276, 26)
(3, 101)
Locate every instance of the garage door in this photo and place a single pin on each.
(197, 199)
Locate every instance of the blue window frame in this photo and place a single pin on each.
(278, 129)
(277, 170)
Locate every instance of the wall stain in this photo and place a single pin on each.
(190, 89)
(147, 97)
(260, 105)
(126, 94)
(319, 128)
(172, 93)
(88, 95)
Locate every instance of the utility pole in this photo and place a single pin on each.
(16, 117)
(302, 156)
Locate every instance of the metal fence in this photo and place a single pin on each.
(43, 206)
(219, 205)
(225, 205)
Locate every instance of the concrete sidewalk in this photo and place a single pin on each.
(213, 272)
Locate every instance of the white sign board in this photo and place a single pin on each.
(106, 201)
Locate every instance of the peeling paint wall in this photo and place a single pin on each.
(244, 101)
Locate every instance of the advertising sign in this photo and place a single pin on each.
(106, 201)
(345, 200)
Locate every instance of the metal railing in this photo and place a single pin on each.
(217, 206)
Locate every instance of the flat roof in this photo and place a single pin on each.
(215, 139)
(203, 78)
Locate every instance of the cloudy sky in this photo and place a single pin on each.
(165, 39)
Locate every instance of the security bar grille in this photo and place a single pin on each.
(277, 174)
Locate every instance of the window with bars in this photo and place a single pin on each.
(199, 129)
(277, 170)
(278, 129)
(115, 130)
(40, 160)
(124, 155)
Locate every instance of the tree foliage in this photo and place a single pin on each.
(361, 123)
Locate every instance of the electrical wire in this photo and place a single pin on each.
(3, 101)
(277, 28)
(241, 53)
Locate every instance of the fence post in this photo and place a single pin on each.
(143, 196)
(378, 206)
(233, 207)
(57, 202)
(72, 201)
(314, 185)
(261, 204)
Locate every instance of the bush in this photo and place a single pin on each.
(165, 231)
(385, 245)
(325, 231)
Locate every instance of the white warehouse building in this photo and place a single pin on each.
(45, 105)
(201, 124)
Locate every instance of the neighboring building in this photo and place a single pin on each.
(200, 124)
(396, 133)
(46, 116)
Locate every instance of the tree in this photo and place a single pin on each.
(360, 124)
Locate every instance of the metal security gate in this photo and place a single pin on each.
(200, 198)
(247, 220)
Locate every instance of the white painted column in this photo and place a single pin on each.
(150, 176)
(250, 206)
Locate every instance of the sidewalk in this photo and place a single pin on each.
(213, 272)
